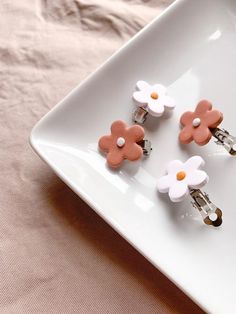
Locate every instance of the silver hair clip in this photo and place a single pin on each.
(225, 139)
(186, 178)
(211, 214)
(146, 146)
(140, 115)
(150, 99)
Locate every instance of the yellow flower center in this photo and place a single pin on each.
(180, 175)
(154, 95)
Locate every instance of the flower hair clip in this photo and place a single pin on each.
(186, 178)
(200, 125)
(151, 99)
(124, 143)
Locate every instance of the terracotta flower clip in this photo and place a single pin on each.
(124, 142)
(198, 125)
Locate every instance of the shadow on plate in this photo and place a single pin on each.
(77, 215)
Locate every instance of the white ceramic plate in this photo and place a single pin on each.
(191, 49)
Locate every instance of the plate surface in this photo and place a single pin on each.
(190, 49)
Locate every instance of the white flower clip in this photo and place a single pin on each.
(181, 177)
(153, 98)
(186, 178)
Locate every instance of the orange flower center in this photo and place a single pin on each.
(180, 175)
(154, 95)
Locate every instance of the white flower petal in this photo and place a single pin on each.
(174, 166)
(194, 163)
(168, 102)
(155, 107)
(141, 97)
(178, 191)
(142, 85)
(196, 179)
(164, 183)
(159, 89)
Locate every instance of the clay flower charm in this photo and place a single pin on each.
(122, 143)
(197, 125)
(182, 177)
(153, 98)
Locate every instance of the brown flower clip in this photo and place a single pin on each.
(198, 125)
(122, 143)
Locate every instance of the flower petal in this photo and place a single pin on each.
(115, 158)
(174, 166)
(168, 102)
(164, 183)
(155, 107)
(213, 118)
(105, 142)
(159, 89)
(141, 97)
(118, 128)
(196, 179)
(132, 152)
(202, 135)
(187, 118)
(134, 133)
(203, 106)
(186, 134)
(194, 163)
(178, 191)
(142, 85)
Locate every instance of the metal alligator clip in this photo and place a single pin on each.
(211, 214)
(146, 146)
(225, 139)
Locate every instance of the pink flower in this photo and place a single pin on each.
(197, 125)
(122, 143)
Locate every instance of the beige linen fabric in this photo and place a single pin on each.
(57, 256)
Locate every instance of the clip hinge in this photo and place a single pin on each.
(225, 139)
(211, 214)
(140, 115)
(146, 146)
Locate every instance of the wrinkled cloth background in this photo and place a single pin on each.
(57, 255)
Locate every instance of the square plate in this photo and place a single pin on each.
(191, 49)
